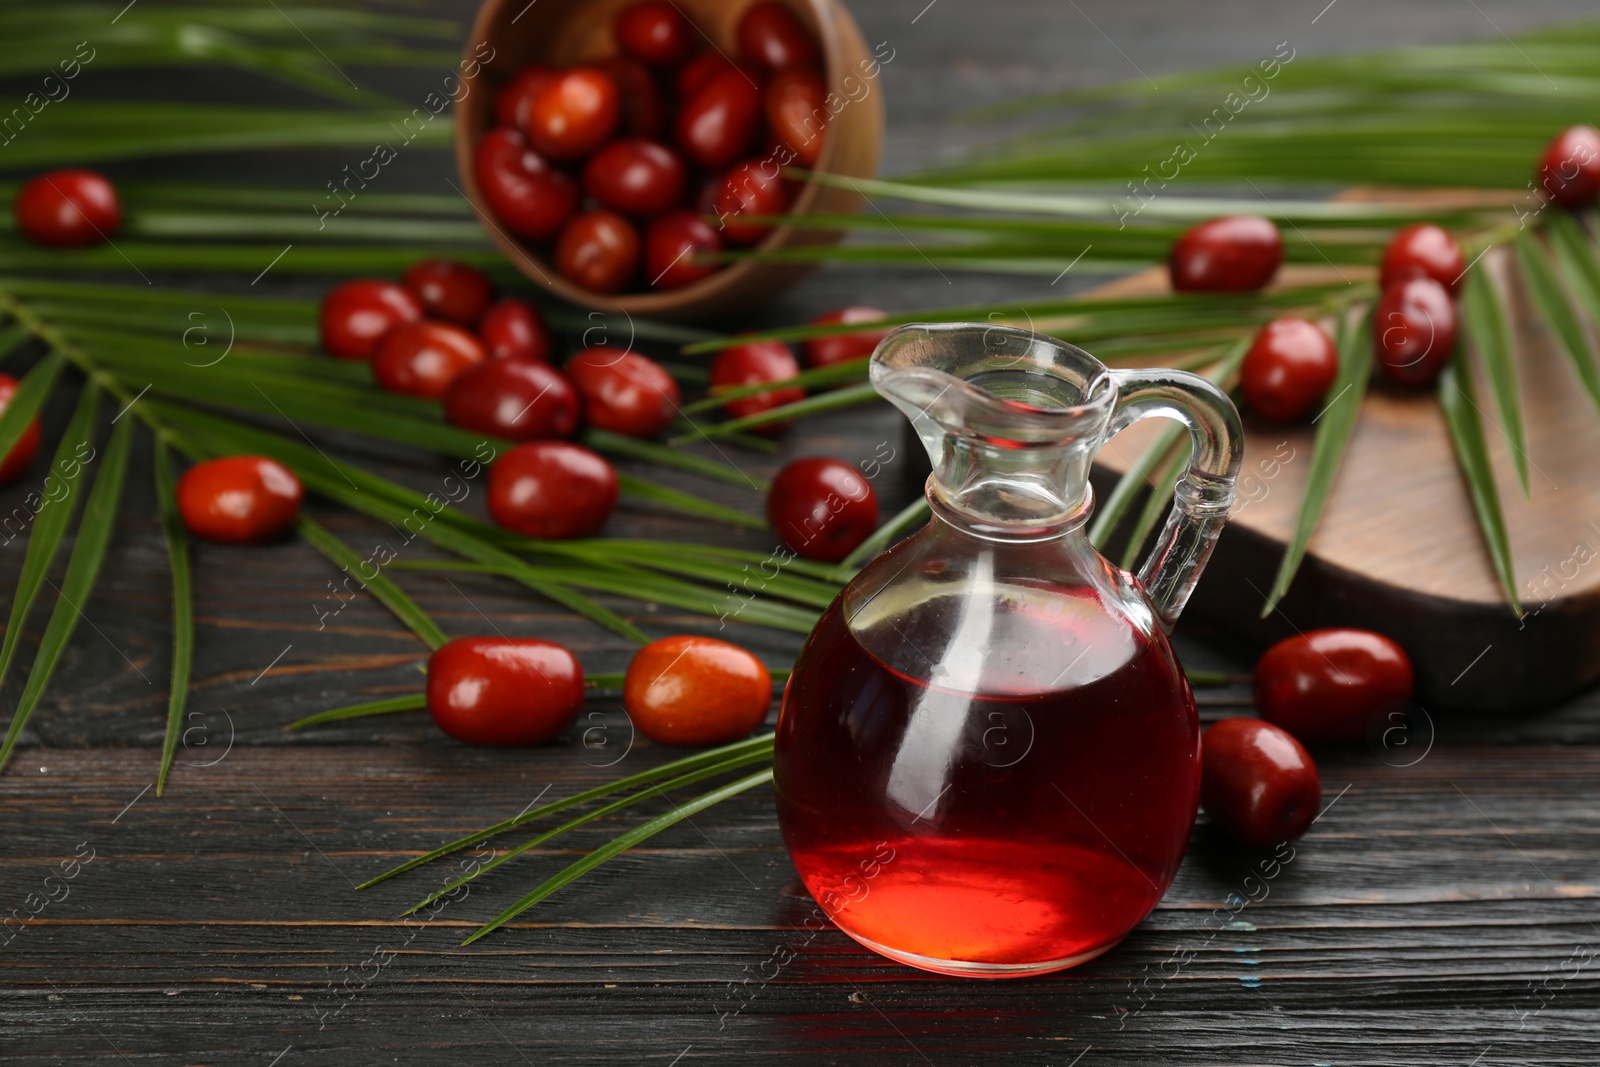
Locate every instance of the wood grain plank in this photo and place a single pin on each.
(1404, 921)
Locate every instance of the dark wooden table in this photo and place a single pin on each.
(1442, 911)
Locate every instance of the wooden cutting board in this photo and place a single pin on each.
(1398, 549)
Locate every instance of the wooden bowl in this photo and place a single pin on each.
(562, 33)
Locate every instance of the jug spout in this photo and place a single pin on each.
(1011, 420)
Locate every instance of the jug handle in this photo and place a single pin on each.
(1204, 495)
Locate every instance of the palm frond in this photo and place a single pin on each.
(1335, 423)
(410, 702)
(761, 745)
(83, 567)
(50, 524)
(1489, 326)
(1580, 263)
(620, 844)
(1155, 506)
(177, 539)
(377, 583)
(25, 403)
(1462, 417)
(1438, 116)
(651, 791)
(1550, 298)
(99, 131)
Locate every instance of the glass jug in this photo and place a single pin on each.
(988, 760)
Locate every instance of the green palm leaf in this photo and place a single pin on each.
(1191, 209)
(1335, 423)
(1578, 264)
(226, 435)
(83, 567)
(380, 585)
(331, 261)
(1489, 326)
(420, 519)
(685, 561)
(377, 496)
(854, 370)
(409, 702)
(1461, 415)
(1181, 317)
(839, 399)
(734, 763)
(401, 419)
(1446, 115)
(620, 844)
(50, 526)
(616, 444)
(1155, 506)
(762, 744)
(640, 585)
(1140, 473)
(182, 607)
(99, 131)
(12, 334)
(685, 503)
(24, 405)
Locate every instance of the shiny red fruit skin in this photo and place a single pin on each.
(1325, 686)
(694, 75)
(514, 329)
(450, 290)
(21, 455)
(1258, 784)
(514, 399)
(1423, 251)
(635, 176)
(644, 105)
(691, 690)
(574, 114)
(754, 364)
(822, 508)
(356, 315)
(1233, 254)
(1288, 369)
(512, 104)
(841, 348)
(793, 102)
(239, 500)
(504, 690)
(771, 35)
(530, 197)
(749, 189)
(423, 358)
(654, 32)
(598, 250)
(552, 490)
(1569, 170)
(718, 123)
(670, 244)
(624, 392)
(68, 208)
(1414, 331)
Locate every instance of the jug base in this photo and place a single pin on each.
(966, 969)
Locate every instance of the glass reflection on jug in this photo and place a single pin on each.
(987, 759)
